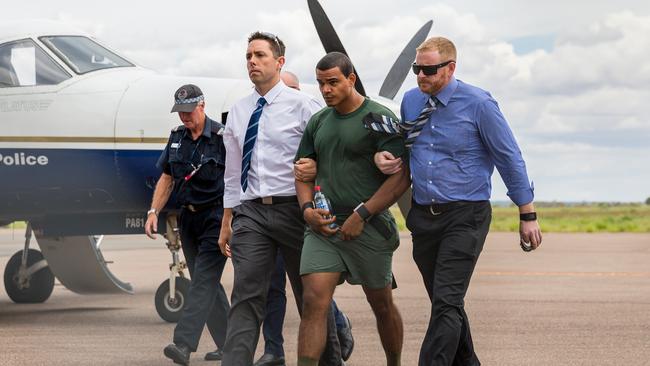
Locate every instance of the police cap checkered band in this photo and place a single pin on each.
(186, 98)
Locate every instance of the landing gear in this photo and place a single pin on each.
(170, 308)
(172, 293)
(27, 277)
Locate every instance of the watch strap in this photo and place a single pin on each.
(363, 211)
(306, 205)
(528, 216)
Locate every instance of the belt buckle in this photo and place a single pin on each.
(191, 207)
(434, 213)
(267, 200)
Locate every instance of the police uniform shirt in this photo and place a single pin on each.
(196, 166)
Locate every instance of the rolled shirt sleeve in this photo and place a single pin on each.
(232, 174)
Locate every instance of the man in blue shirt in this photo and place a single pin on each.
(457, 135)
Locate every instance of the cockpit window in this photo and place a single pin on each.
(23, 63)
(82, 54)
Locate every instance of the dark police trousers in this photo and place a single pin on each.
(207, 302)
(259, 231)
(446, 247)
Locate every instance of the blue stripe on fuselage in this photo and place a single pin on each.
(37, 182)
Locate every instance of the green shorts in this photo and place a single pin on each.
(366, 260)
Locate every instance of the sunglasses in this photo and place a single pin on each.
(272, 37)
(429, 70)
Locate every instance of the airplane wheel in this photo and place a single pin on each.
(38, 286)
(168, 309)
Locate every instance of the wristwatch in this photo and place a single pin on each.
(363, 211)
(528, 216)
(152, 211)
(307, 205)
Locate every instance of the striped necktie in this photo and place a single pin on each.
(410, 129)
(413, 128)
(249, 142)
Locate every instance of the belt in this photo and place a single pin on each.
(436, 209)
(273, 200)
(203, 206)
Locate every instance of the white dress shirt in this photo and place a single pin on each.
(280, 129)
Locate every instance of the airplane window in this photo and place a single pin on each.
(82, 54)
(23, 63)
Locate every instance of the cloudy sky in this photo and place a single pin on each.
(572, 77)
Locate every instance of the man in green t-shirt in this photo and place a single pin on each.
(361, 247)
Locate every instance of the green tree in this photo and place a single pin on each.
(647, 201)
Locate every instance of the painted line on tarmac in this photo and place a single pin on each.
(564, 274)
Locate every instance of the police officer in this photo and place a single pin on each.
(193, 167)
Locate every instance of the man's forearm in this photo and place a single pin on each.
(227, 217)
(304, 192)
(162, 192)
(390, 191)
(529, 207)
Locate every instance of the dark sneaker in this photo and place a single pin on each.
(346, 339)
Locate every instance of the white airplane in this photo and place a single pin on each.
(82, 129)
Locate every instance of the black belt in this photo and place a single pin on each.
(273, 200)
(373, 220)
(436, 209)
(202, 206)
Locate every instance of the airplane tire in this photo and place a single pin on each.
(168, 310)
(41, 283)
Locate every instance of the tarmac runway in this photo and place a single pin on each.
(581, 299)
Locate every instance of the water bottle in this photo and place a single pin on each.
(320, 201)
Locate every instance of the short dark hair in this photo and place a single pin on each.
(336, 59)
(277, 46)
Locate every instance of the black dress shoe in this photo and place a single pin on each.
(346, 340)
(268, 359)
(216, 355)
(179, 353)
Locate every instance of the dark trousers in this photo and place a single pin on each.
(446, 247)
(276, 305)
(339, 320)
(259, 231)
(207, 302)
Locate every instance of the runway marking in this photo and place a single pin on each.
(564, 274)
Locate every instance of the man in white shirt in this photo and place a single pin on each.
(261, 211)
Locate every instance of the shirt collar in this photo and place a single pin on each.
(207, 127)
(445, 94)
(271, 94)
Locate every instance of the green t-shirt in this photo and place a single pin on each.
(344, 150)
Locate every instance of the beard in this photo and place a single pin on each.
(432, 87)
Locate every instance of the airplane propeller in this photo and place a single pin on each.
(397, 74)
(329, 38)
(402, 65)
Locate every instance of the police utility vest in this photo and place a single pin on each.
(197, 166)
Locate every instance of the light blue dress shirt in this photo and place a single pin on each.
(457, 150)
